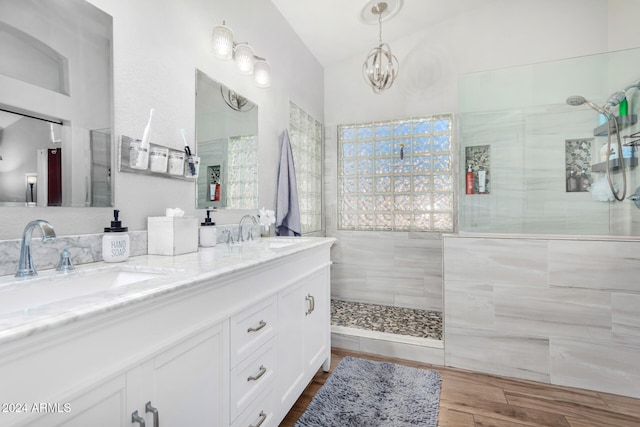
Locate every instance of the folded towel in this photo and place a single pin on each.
(287, 207)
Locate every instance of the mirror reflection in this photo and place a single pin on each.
(55, 104)
(227, 144)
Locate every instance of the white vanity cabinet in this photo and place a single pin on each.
(235, 348)
(253, 364)
(304, 337)
(170, 351)
(182, 385)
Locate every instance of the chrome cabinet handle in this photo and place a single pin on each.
(135, 418)
(260, 373)
(312, 304)
(156, 417)
(263, 417)
(261, 325)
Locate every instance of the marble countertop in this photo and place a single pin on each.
(167, 274)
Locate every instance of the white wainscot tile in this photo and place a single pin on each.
(469, 304)
(626, 316)
(596, 366)
(594, 264)
(498, 261)
(553, 312)
(496, 353)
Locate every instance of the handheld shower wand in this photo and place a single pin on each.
(614, 99)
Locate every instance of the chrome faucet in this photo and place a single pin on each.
(250, 234)
(25, 266)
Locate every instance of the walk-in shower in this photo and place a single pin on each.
(552, 168)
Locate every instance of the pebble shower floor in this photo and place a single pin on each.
(382, 318)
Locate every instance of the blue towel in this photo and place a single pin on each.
(287, 206)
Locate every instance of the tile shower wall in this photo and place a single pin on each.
(400, 269)
(561, 311)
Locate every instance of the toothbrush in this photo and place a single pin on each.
(147, 131)
(187, 150)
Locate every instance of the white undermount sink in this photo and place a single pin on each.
(33, 292)
(283, 242)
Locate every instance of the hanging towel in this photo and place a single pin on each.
(287, 207)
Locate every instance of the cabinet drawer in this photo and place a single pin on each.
(260, 413)
(251, 328)
(251, 377)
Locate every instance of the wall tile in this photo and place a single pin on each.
(496, 261)
(626, 315)
(552, 312)
(469, 305)
(497, 353)
(596, 366)
(594, 264)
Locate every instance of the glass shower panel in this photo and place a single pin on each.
(520, 113)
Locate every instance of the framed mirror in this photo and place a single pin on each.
(227, 144)
(56, 91)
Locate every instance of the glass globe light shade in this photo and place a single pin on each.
(222, 39)
(262, 73)
(244, 58)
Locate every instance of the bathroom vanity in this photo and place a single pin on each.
(228, 336)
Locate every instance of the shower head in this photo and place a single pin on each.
(577, 100)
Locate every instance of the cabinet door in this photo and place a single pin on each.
(291, 366)
(185, 384)
(102, 406)
(317, 331)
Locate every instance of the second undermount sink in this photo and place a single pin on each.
(284, 242)
(24, 294)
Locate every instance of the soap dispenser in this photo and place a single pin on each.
(208, 232)
(115, 242)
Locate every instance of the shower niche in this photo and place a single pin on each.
(477, 160)
(578, 164)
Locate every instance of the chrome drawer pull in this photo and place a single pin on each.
(312, 304)
(260, 373)
(261, 325)
(263, 417)
(135, 418)
(156, 417)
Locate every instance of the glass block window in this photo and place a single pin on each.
(396, 175)
(305, 135)
(243, 172)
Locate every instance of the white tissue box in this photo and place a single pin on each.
(172, 235)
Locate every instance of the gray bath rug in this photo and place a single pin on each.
(364, 393)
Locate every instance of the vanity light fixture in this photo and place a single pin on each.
(381, 67)
(246, 61)
(223, 42)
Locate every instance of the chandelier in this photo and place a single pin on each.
(381, 67)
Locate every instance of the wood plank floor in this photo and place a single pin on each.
(470, 399)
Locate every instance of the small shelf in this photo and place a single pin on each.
(123, 162)
(614, 165)
(623, 122)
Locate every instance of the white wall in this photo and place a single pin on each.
(157, 46)
(505, 33)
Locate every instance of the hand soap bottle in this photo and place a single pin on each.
(208, 232)
(115, 242)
